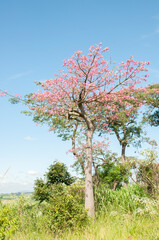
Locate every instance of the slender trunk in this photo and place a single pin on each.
(89, 197)
(122, 145)
(74, 148)
(123, 158)
(123, 154)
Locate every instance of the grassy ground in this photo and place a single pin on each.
(127, 214)
(110, 227)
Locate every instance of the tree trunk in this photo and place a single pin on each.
(89, 197)
(123, 154)
(123, 160)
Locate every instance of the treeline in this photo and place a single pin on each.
(11, 196)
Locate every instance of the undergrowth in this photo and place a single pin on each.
(126, 214)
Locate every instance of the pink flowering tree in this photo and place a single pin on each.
(80, 94)
(85, 93)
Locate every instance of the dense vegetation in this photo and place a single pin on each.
(125, 213)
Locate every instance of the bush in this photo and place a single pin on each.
(41, 190)
(63, 210)
(26, 211)
(8, 221)
(77, 190)
(114, 174)
(57, 173)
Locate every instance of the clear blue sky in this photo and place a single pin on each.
(35, 37)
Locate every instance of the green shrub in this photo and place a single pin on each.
(114, 174)
(26, 211)
(63, 210)
(8, 221)
(41, 190)
(77, 190)
(57, 173)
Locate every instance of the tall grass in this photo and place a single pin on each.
(125, 200)
(119, 227)
(126, 214)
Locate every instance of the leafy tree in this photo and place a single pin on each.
(114, 174)
(125, 128)
(57, 173)
(80, 94)
(152, 101)
(41, 190)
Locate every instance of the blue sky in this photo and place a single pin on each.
(35, 37)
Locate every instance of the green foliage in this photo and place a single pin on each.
(63, 210)
(61, 201)
(126, 127)
(146, 206)
(127, 131)
(122, 200)
(152, 101)
(8, 222)
(148, 171)
(114, 174)
(41, 190)
(106, 227)
(63, 216)
(77, 190)
(57, 124)
(14, 100)
(26, 211)
(57, 173)
(154, 119)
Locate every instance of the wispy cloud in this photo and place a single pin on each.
(148, 35)
(28, 138)
(157, 31)
(144, 36)
(32, 172)
(156, 17)
(19, 75)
